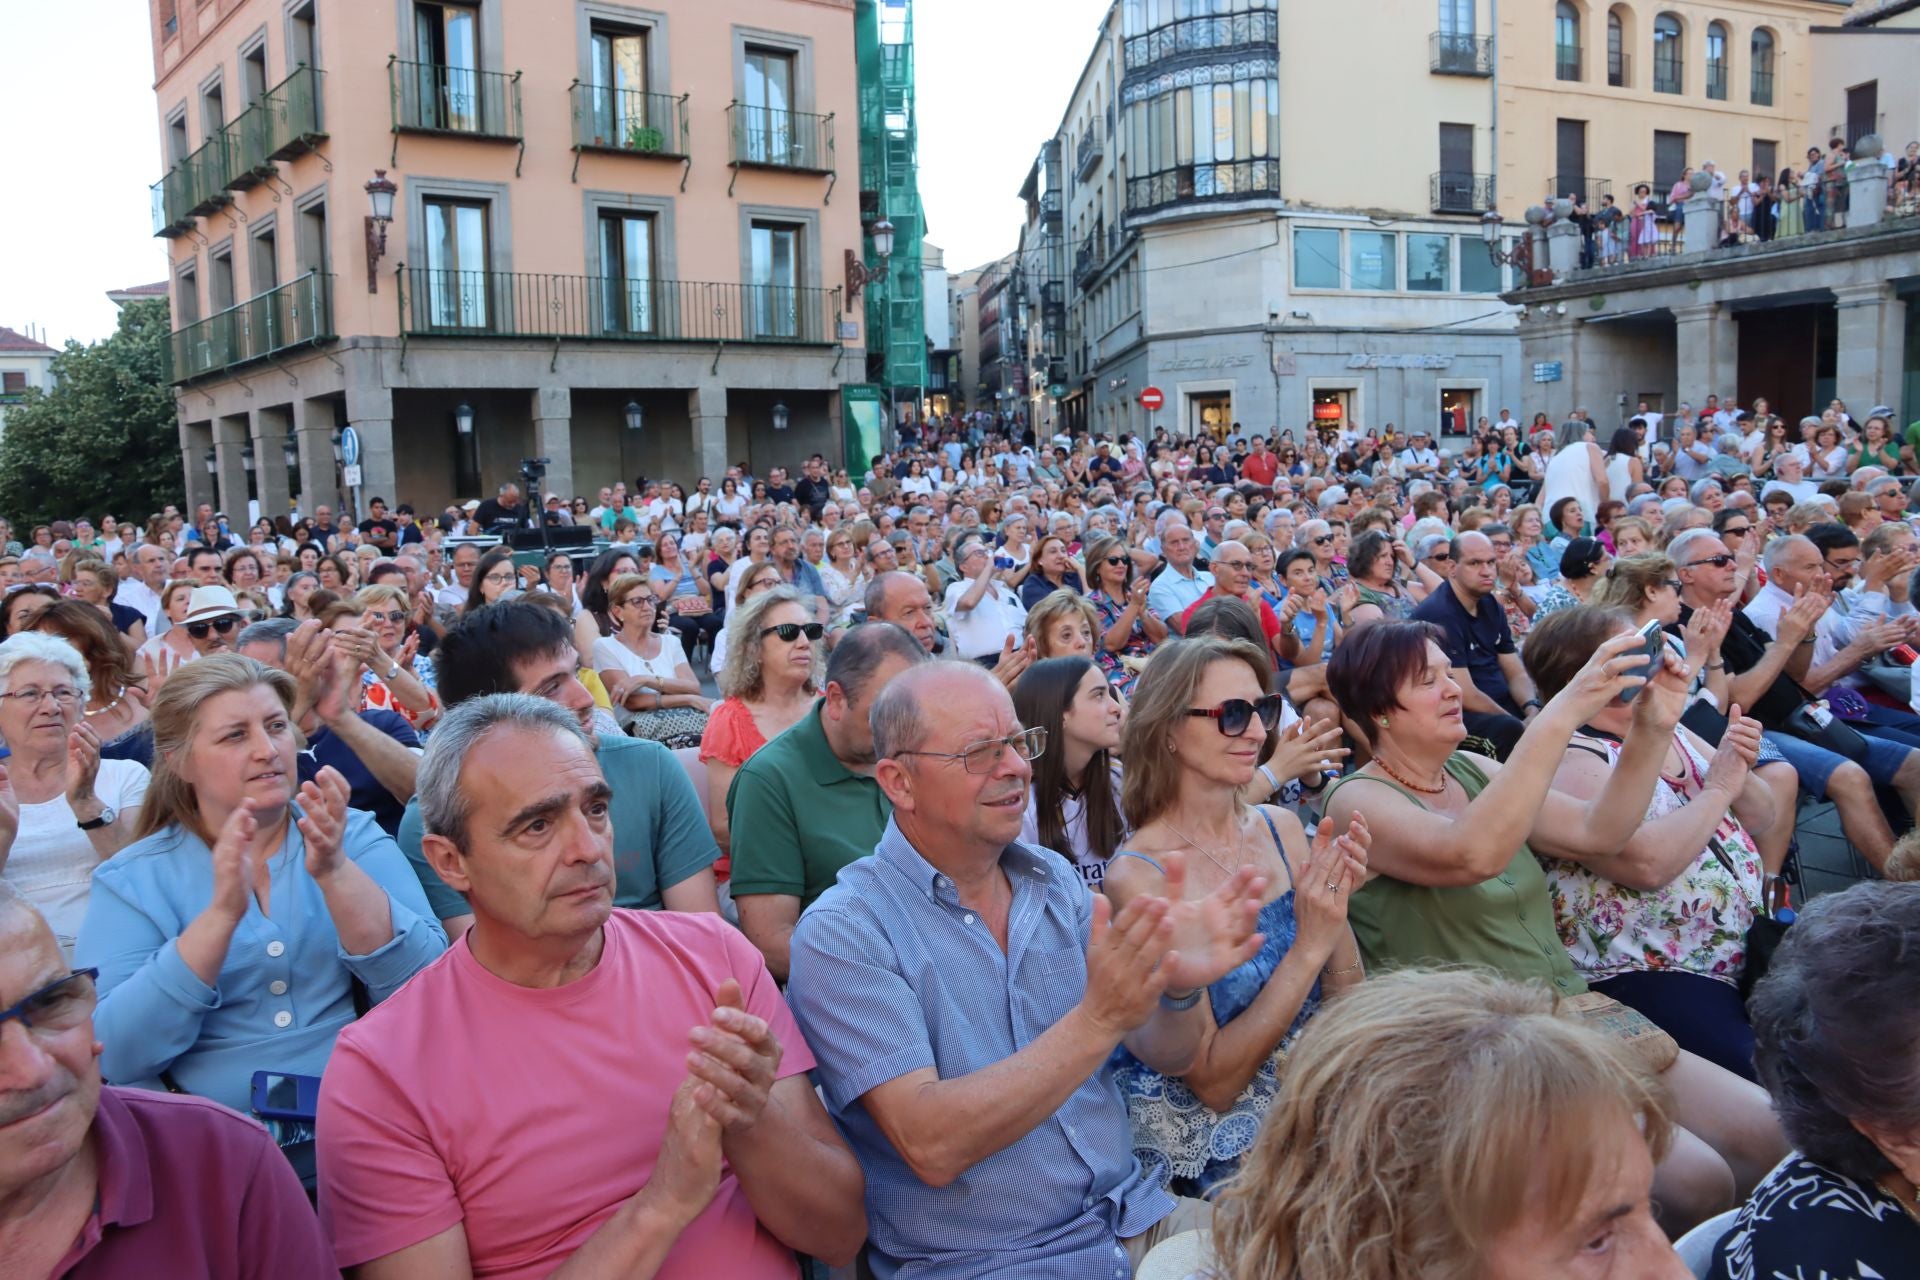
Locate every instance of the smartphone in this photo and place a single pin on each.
(277, 1096)
(1653, 643)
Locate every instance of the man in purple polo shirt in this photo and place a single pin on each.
(99, 1183)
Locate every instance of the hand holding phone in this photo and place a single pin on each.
(1653, 643)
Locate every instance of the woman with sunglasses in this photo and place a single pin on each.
(394, 674)
(1455, 875)
(1202, 722)
(1073, 802)
(654, 691)
(1129, 631)
(776, 660)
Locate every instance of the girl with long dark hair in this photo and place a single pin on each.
(1073, 804)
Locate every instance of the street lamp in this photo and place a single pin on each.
(636, 416)
(779, 416)
(1493, 228)
(338, 455)
(246, 456)
(463, 419)
(380, 193)
(213, 462)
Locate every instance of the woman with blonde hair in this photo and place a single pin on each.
(1451, 1126)
(230, 934)
(1063, 625)
(396, 677)
(776, 659)
(1202, 723)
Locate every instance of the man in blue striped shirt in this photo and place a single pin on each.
(962, 993)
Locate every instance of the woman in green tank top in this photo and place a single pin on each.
(1454, 877)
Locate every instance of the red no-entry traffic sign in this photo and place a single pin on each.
(1150, 398)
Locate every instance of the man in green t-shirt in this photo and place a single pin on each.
(806, 804)
(663, 849)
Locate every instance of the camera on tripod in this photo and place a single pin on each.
(533, 471)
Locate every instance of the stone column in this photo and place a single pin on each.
(553, 440)
(1707, 348)
(1869, 344)
(370, 411)
(707, 407)
(271, 427)
(197, 485)
(230, 434)
(1563, 241)
(312, 426)
(1702, 229)
(1867, 185)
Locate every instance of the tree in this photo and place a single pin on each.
(104, 440)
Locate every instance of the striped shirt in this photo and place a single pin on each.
(892, 974)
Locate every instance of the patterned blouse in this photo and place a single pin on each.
(1119, 675)
(1697, 923)
(1805, 1220)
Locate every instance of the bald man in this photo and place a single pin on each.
(104, 1183)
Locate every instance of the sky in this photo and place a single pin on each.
(82, 149)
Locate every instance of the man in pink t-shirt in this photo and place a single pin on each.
(572, 1089)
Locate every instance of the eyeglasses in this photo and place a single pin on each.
(1740, 531)
(395, 616)
(63, 695)
(1238, 566)
(1116, 560)
(1440, 555)
(499, 579)
(982, 756)
(791, 631)
(1674, 583)
(1323, 540)
(1718, 562)
(1234, 715)
(201, 630)
(61, 1005)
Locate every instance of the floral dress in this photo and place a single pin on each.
(1177, 1137)
(1695, 924)
(1119, 674)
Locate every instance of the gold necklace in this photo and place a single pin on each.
(1910, 1204)
(1239, 844)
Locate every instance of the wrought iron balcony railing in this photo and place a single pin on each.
(768, 138)
(1460, 192)
(1089, 154)
(1579, 186)
(1717, 81)
(449, 303)
(429, 98)
(1050, 208)
(1452, 54)
(1566, 62)
(294, 121)
(628, 121)
(247, 162)
(207, 171)
(292, 315)
(1762, 91)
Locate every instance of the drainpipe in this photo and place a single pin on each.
(1494, 6)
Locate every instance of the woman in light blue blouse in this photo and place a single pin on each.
(230, 934)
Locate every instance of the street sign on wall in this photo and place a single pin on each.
(1547, 371)
(1151, 399)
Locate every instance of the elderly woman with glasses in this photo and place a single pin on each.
(1201, 724)
(1129, 630)
(390, 656)
(776, 657)
(63, 809)
(648, 678)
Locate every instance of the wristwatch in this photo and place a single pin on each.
(107, 815)
(393, 672)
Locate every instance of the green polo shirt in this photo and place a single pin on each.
(660, 832)
(798, 815)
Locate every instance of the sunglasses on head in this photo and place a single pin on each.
(223, 626)
(791, 631)
(1234, 715)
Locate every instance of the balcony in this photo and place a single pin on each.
(292, 315)
(1717, 81)
(172, 197)
(1668, 76)
(1259, 28)
(1762, 94)
(1566, 62)
(628, 122)
(207, 171)
(1090, 152)
(501, 304)
(294, 124)
(1050, 209)
(1451, 54)
(768, 138)
(1203, 184)
(1580, 187)
(429, 98)
(1459, 192)
(246, 137)
(1619, 69)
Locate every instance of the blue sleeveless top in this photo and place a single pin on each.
(1175, 1135)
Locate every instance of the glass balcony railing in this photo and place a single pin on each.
(293, 116)
(430, 98)
(628, 121)
(283, 124)
(769, 138)
(172, 198)
(292, 315)
(452, 303)
(246, 142)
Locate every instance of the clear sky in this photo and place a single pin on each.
(82, 140)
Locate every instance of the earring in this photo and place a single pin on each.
(1383, 722)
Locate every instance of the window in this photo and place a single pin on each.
(619, 78)
(1616, 52)
(186, 297)
(1863, 111)
(1454, 192)
(1669, 55)
(1478, 272)
(1429, 263)
(220, 278)
(13, 382)
(177, 146)
(1203, 132)
(776, 280)
(263, 262)
(1566, 41)
(1371, 260)
(310, 249)
(767, 124)
(626, 273)
(1761, 91)
(1456, 17)
(253, 72)
(1316, 259)
(1669, 161)
(457, 264)
(303, 45)
(1766, 159)
(1717, 61)
(446, 44)
(213, 109)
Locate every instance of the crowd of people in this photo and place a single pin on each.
(1342, 856)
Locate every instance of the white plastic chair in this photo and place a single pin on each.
(1696, 1247)
(1187, 1256)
